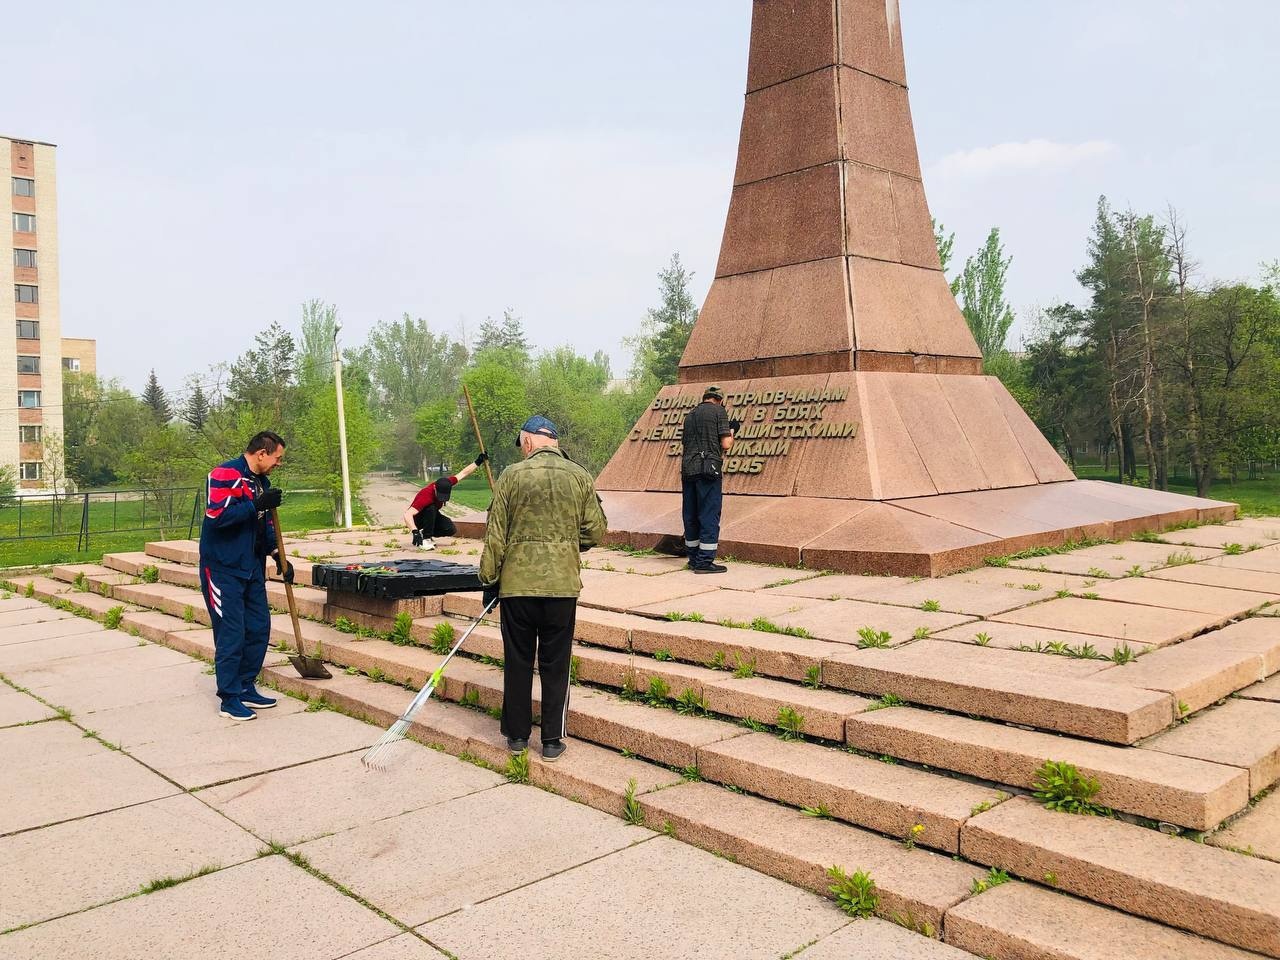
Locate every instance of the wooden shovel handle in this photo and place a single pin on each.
(479, 439)
(288, 587)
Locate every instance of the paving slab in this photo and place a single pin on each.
(42, 629)
(1115, 559)
(141, 686)
(170, 719)
(9, 602)
(237, 750)
(774, 655)
(619, 561)
(743, 576)
(339, 793)
(1215, 893)
(54, 773)
(840, 620)
(1193, 673)
(1266, 560)
(404, 947)
(1036, 640)
(1260, 635)
(1256, 833)
(18, 708)
(82, 863)
(156, 626)
(1240, 733)
(227, 913)
(42, 587)
(20, 619)
(993, 656)
(1121, 621)
(957, 594)
(915, 885)
(1084, 707)
(1190, 793)
(1174, 595)
(875, 939)
(1219, 535)
(133, 660)
(885, 797)
(708, 908)
(630, 591)
(496, 840)
(16, 657)
(1267, 690)
(761, 699)
(1019, 920)
(660, 735)
(1268, 526)
(842, 586)
(732, 606)
(1212, 574)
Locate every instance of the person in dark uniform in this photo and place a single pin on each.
(708, 435)
(236, 538)
(425, 517)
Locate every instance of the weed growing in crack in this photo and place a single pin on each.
(912, 835)
(402, 632)
(870, 638)
(1232, 549)
(111, 619)
(149, 574)
(345, 625)
(632, 812)
(691, 704)
(888, 700)
(1031, 586)
(745, 668)
(676, 616)
(1135, 571)
(1061, 786)
(920, 633)
(518, 767)
(931, 606)
(575, 665)
(1063, 594)
(856, 894)
(471, 698)
(813, 677)
(994, 878)
(986, 805)
(691, 773)
(164, 883)
(441, 638)
(1179, 558)
(717, 661)
(819, 811)
(1123, 654)
(982, 639)
(790, 724)
(658, 693)
(1096, 572)
(662, 655)
(188, 614)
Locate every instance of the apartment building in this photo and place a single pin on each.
(79, 355)
(31, 355)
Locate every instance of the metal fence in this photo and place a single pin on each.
(46, 516)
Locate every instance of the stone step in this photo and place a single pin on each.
(169, 598)
(1020, 921)
(130, 563)
(1156, 592)
(1195, 673)
(1187, 792)
(1083, 707)
(1240, 733)
(1218, 894)
(1120, 621)
(885, 797)
(916, 887)
(771, 654)
(177, 551)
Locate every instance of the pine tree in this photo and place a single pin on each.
(666, 329)
(154, 397)
(980, 290)
(196, 410)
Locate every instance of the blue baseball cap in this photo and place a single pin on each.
(539, 425)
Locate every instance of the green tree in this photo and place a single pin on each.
(315, 349)
(195, 412)
(157, 400)
(498, 393)
(665, 331)
(508, 335)
(264, 376)
(946, 245)
(980, 288)
(315, 452)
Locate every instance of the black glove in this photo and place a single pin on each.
(735, 426)
(417, 538)
(285, 569)
(490, 594)
(269, 500)
(482, 459)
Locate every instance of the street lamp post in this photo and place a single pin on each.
(342, 428)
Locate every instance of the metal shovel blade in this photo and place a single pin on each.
(312, 668)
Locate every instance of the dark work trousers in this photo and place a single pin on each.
(541, 625)
(433, 523)
(237, 605)
(702, 501)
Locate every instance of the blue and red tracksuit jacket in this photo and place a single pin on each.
(233, 537)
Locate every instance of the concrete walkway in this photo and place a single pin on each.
(386, 497)
(134, 822)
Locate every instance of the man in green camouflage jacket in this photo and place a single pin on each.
(544, 513)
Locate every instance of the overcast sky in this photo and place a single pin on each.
(219, 164)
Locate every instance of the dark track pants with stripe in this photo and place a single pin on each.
(703, 498)
(541, 626)
(237, 605)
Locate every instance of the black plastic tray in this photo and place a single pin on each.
(397, 579)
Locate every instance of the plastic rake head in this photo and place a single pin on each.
(381, 755)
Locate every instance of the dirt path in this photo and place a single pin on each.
(386, 497)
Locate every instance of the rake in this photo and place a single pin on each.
(381, 755)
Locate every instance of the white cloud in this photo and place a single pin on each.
(1029, 156)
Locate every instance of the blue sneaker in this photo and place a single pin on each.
(252, 698)
(235, 710)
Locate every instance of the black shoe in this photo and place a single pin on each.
(712, 568)
(551, 750)
(517, 746)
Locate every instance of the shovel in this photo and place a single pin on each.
(312, 668)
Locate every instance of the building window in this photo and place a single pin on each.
(29, 398)
(26, 293)
(31, 470)
(28, 329)
(24, 187)
(30, 433)
(71, 363)
(28, 364)
(24, 222)
(24, 258)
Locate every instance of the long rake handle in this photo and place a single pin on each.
(475, 425)
(425, 693)
(288, 587)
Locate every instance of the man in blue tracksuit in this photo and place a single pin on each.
(235, 540)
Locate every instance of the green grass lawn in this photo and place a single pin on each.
(1256, 497)
(303, 511)
(473, 492)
